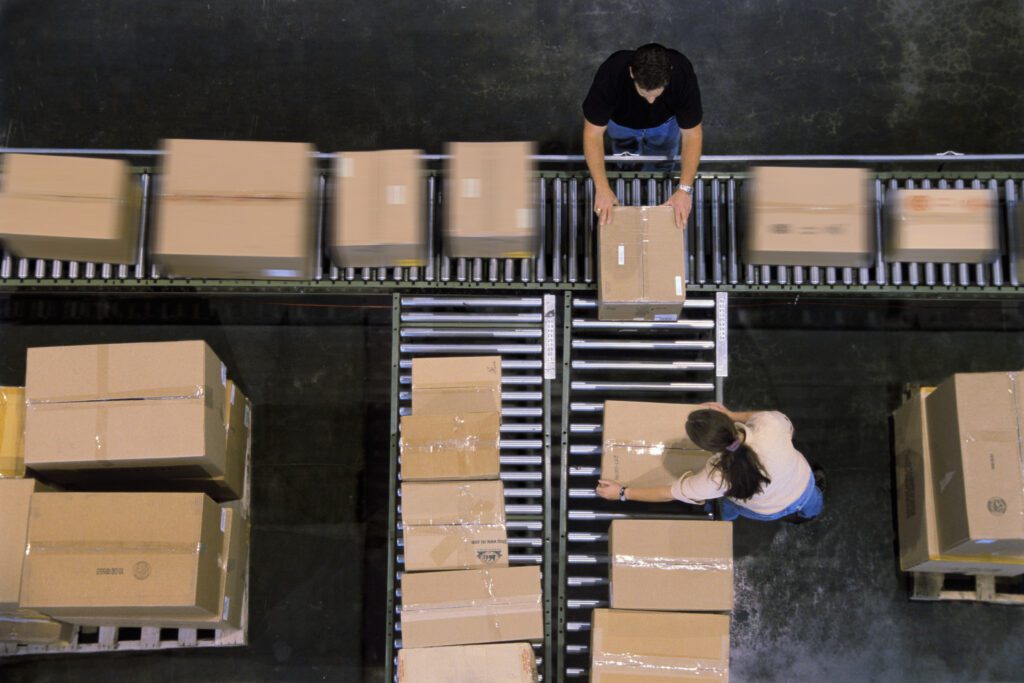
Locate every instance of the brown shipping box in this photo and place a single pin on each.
(29, 630)
(809, 217)
(144, 556)
(915, 502)
(671, 565)
(943, 226)
(231, 209)
(973, 435)
(12, 432)
(378, 209)
(471, 606)
(645, 647)
(126, 406)
(641, 265)
(645, 444)
(15, 501)
(69, 208)
(440, 447)
(497, 663)
(491, 207)
(454, 525)
(452, 386)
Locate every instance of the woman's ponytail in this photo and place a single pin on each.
(739, 465)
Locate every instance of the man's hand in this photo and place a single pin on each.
(681, 203)
(604, 200)
(608, 489)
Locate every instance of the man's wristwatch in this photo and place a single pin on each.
(622, 494)
(688, 189)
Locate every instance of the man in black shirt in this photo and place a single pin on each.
(649, 101)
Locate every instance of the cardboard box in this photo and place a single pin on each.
(454, 525)
(15, 501)
(452, 386)
(471, 606)
(810, 217)
(642, 274)
(126, 556)
(498, 663)
(444, 447)
(943, 226)
(668, 565)
(974, 437)
(645, 444)
(378, 209)
(631, 646)
(69, 208)
(12, 432)
(230, 209)
(915, 502)
(126, 407)
(490, 198)
(27, 630)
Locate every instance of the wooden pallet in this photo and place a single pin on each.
(932, 587)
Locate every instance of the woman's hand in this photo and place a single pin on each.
(609, 490)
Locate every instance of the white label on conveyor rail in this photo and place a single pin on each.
(721, 334)
(679, 285)
(223, 519)
(549, 336)
(346, 167)
(622, 254)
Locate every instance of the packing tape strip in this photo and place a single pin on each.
(652, 665)
(64, 197)
(12, 426)
(112, 547)
(457, 537)
(774, 206)
(714, 564)
(1020, 432)
(233, 197)
(471, 607)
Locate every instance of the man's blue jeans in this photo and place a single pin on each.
(660, 141)
(808, 506)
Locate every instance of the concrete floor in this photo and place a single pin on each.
(820, 601)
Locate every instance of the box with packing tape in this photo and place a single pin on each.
(504, 662)
(454, 525)
(12, 432)
(15, 503)
(641, 265)
(440, 447)
(943, 226)
(457, 385)
(645, 444)
(33, 630)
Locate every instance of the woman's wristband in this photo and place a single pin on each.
(622, 494)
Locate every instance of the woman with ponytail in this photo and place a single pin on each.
(755, 469)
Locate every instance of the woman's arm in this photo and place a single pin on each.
(735, 416)
(610, 490)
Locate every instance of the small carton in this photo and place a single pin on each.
(642, 265)
(33, 630)
(453, 386)
(645, 444)
(378, 209)
(441, 447)
(69, 208)
(943, 226)
(501, 662)
(671, 565)
(12, 432)
(809, 217)
(15, 502)
(471, 606)
(658, 646)
(454, 525)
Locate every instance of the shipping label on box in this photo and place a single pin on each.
(645, 444)
(943, 226)
(504, 662)
(439, 447)
(12, 432)
(453, 386)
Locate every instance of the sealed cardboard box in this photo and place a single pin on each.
(126, 406)
(231, 209)
(12, 432)
(28, 630)
(439, 447)
(471, 606)
(15, 502)
(645, 444)
(809, 217)
(943, 226)
(145, 556)
(454, 525)
(631, 646)
(378, 209)
(490, 197)
(642, 265)
(497, 663)
(973, 434)
(452, 386)
(661, 564)
(915, 502)
(69, 208)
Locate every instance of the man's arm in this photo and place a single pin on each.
(593, 150)
(691, 142)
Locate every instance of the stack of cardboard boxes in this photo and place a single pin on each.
(458, 588)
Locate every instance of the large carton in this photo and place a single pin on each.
(454, 525)
(629, 646)
(441, 447)
(453, 386)
(641, 265)
(33, 630)
(490, 200)
(471, 606)
(12, 432)
(497, 663)
(126, 407)
(974, 423)
(683, 565)
(809, 217)
(15, 503)
(915, 502)
(69, 208)
(127, 556)
(378, 209)
(943, 226)
(230, 209)
(645, 444)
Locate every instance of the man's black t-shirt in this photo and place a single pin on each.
(613, 95)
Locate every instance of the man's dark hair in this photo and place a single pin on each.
(651, 66)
